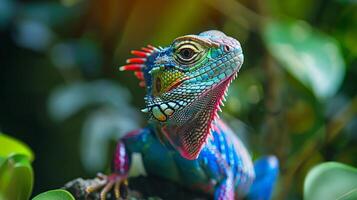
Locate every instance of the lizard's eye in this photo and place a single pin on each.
(187, 54)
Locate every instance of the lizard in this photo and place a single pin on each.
(185, 141)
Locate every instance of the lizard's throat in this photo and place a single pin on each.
(189, 128)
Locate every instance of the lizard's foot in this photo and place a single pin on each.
(106, 183)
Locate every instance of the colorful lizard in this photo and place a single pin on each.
(185, 140)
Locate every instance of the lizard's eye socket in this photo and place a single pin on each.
(187, 54)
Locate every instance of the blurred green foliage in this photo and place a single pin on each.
(309, 55)
(295, 96)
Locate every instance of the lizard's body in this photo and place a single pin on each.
(185, 141)
(202, 173)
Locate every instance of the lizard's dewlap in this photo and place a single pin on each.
(189, 138)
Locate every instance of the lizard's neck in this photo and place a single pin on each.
(190, 127)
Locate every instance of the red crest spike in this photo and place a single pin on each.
(133, 67)
(147, 50)
(137, 64)
(139, 75)
(140, 53)
(152, 47)
(136, 60)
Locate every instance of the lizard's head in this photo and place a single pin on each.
(186, 83)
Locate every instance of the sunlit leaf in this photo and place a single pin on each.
(331, 181)
(54, 195)
(10, 146)
(69, 99)
(16, 178)
(309, 55)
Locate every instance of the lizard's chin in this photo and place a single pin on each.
(193, 123)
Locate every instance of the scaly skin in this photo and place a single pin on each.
(185, 141)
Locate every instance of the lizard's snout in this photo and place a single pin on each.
(233, 48)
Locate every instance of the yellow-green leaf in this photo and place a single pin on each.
(54, 195)
(11, 146)
(16, 178)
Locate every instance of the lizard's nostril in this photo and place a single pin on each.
(226, 48)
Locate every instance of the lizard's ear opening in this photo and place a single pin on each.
(138, 64)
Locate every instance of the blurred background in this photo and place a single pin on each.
(61, 91)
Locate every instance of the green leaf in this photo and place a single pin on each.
(16, 178)
(331, 180)
(310, 56)
(54, 195)
(11, 146)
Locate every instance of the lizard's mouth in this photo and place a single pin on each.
(189, 137)
(175, 84)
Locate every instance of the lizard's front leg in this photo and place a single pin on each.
(132, 142)
(118, 178)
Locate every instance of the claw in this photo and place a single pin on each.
(95, 187)
(124, 188)
(117, 183)
(117, 190)
(105, 190)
